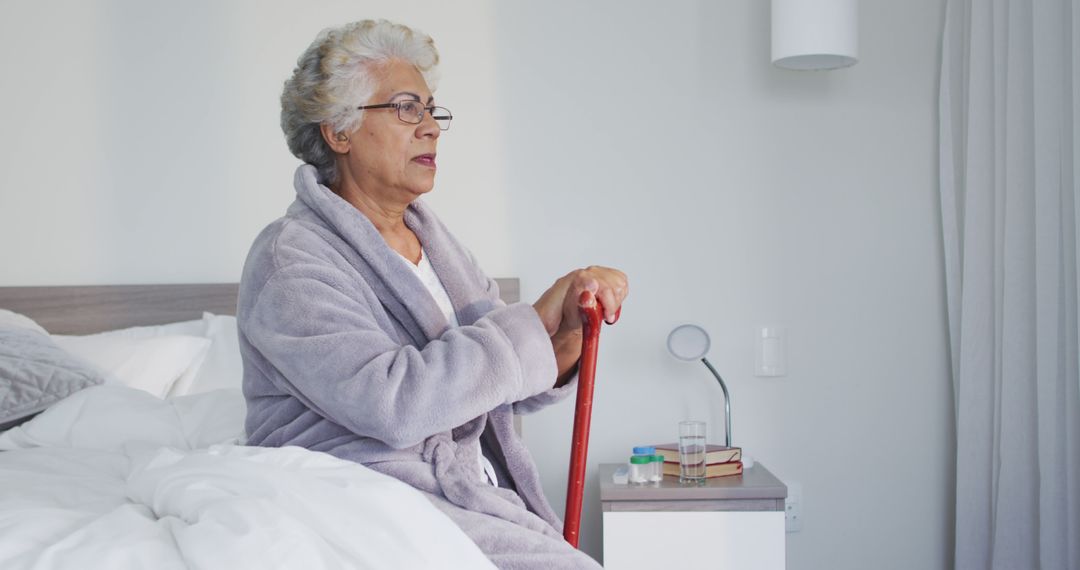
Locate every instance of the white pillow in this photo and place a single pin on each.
(15, 320)
(185, 328)
(113, 417)
(222, 367)
(152, 364)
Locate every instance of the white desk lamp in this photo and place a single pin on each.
(691, 342)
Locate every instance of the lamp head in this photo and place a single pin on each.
(691, 342)
(688, 342)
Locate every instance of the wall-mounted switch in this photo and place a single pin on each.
(770, 351)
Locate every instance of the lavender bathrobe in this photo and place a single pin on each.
(346, 352)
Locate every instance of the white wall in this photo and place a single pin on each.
(142, 146)
(142, 141)
(801, 199)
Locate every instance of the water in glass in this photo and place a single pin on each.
(691, 458)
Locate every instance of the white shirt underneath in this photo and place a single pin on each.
(431, 281)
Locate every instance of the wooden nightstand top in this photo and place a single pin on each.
(754, 483)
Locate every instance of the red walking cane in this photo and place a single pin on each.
(591, 318)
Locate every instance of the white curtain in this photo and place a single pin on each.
(1009, 105)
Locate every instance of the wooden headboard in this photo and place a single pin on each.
(95, 308)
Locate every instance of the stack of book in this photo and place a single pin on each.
(720, 461)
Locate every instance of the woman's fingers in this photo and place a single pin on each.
(611, 303)
(606, 285)
(612, 290)
(559, 309)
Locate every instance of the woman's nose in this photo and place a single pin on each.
(428, 127)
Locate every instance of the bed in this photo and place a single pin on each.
(137, 460)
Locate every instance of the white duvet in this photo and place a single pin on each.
(115, 478)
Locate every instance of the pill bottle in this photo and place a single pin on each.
(657, 474)
(640, 469)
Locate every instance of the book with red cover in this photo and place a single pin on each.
(711, 470)
(713, 453)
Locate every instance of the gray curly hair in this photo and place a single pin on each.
(335, 75)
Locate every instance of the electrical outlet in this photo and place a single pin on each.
(793, 518)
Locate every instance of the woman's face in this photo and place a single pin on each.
(390, 159)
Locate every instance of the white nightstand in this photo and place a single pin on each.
(730, 522)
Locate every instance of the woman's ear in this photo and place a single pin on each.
(338, 142)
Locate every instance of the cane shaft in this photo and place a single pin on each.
(591, 318)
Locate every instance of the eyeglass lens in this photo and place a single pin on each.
(413, 112)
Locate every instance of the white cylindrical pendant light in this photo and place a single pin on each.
(815, 34)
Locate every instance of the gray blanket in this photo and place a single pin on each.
(346, 352)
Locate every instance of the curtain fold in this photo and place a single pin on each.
(1008, 126)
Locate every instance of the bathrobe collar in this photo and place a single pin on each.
(397, 287)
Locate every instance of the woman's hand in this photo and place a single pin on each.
(558, 310)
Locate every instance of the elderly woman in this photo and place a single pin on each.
(370, 333)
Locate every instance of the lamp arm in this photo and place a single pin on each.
(727, 399)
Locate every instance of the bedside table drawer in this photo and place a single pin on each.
(726, 522)
(671, 539)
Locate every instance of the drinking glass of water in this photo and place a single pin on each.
(692, 452)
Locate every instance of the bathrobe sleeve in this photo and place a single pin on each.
(548, 397)
(317, 326)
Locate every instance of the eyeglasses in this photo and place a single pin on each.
(412, 112)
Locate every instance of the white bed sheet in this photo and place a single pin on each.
(116, 478)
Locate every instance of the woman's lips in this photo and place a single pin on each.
(425, 160)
